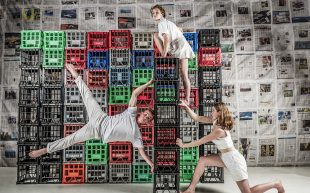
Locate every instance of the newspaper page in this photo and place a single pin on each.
(283, 36)
(286, 94)
(127, 17)
(12, 44)
(203, 13)
(267, 151)
(10, 99)
(247, 124)
(303, 93)
(247, 95)
(286, 123)
(248, 148)
(106, 18)
(267, 94)
(303, 121)
(51, 2)
(300, 10)
(245, 64)
(184, 15)
(303, 149)
(50, 18)
(280, 11)
(266, 122)
(144, 18)
(108, 2)
(14, 19)
(228, 67)
(229, 96)
(31, 18)
(242, 12)
(287, 151)
(88, 2)
(145, 1)
(69, 2)
(227, 40)
(261, 12)
(8, 153)
(244, 39)
(302, 36)
(88, 18)
(222, 14)
(234, 131)
(302, 64)
(263, 38)
(284, 65)
(264, 66)
(69, 18)
(11, 72)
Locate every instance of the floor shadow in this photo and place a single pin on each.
(205, 190)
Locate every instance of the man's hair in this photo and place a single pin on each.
(161, 9)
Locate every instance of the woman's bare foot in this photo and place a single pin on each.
(188, 190)
(278, 185)
(37, 153)
(72, 70)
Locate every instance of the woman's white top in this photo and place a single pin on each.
(223, 142)
(167, 27)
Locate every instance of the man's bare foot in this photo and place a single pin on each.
(37, 153)
(72, 70)
(278, 185)
(186, 102)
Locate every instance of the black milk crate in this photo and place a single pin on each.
(142, 41)
(28, 133)
(28, 115)
(166, 183)
(74, 153)
(55, 157)
(208, 38)
(53, 76)
(167, 114)
(166, 160)
(212, 174)
(75, 39)
(193, 78)
(138, 159)
(73, 96)
(50, 173)
(120, 173)
(120, 57)
(31, 58)
(189, 133)
(166, 91)
(69, 80)
(97, 173)
(50, 133)
(23, 153)
(210, 94)
(74, 114)
(30, 77)
(29, 95)
(186, 120)
(206, 109)
(166, 136)
(210, 75)
(120, 76)
(51, 114)
(208, 149)
(52, 95)
(166, 68)
(101, 96)
(205, 129)
(28, 173)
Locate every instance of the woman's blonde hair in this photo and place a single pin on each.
(225, 118)
(161, 9)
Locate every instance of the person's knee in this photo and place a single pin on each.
(203, 160)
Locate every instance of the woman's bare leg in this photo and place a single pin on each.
(261, 188)
(185, 79)
(158, 43)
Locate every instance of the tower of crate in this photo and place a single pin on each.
(210, 92)
(166, 123)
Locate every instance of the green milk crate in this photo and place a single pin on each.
(96, 152)
(186, 173)
(192, 63)
(53, 58)
(119, 95)
(54, 40)
(141, 173)
(166, 94)
(31, 39)
(189, 155)
(141, 76)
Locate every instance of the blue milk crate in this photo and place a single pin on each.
(192, 39)
(142, 59)
(98, 60)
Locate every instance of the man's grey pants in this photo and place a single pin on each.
(91, 130)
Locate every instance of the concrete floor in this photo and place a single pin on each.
(294, 179)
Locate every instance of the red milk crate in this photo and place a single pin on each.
(146, 98)
(120, 39)
(116, 109)
(97, 78)
(98, 41)
(73, 173)
(209, 56)
(120, 152)
(147, 134)
(193, 98)
(76, 57)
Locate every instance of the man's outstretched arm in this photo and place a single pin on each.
(137, 91)
(146, 158)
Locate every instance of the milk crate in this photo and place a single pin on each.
(138, 159)
(29, 95)
(210, 94)
(28, 133)
(76, 57)
(96, 152)
(97, 173)
(120, 57)
(186, 120)
(50, 158)
(97, 41)
(30, 77)
(119, 94)
(74, 114)
(192, 40)
(23, 150)
(120, 152)
(74, 153)
(73, 96)
(52, 76)
(98, 60)
(50, 133)
(71, 128)
(97, 78)
(73, 173)
(167, 92)
(193, 97)
(75, 39)
(142, 41)
(51, 114)
(167, 114)
(54, 40)
(166, 136)
(189, 155)
(206, 109)
(186, 173)
(53, 59)
(205, 129)
(146, 98)
(193, 78)
(142, 59)
(210, 76)
(166, 69)
(208, 38)
(141, 76)
(120, 173)
(189, 133)
(212, 174)
(101, 96)
(209, 57)
(31, 39)
(116, 109)
(31, 58)
(166, 183)
(120, 76)
(50, 173)
(147, 134)
(28, 173)
(52, 95)
(120, 39)
(28, 115)
(141, 173)
(208, 149)
(166, 160)
(70, 81)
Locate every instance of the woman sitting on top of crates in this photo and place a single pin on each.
(170, 39)
(121, 127)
